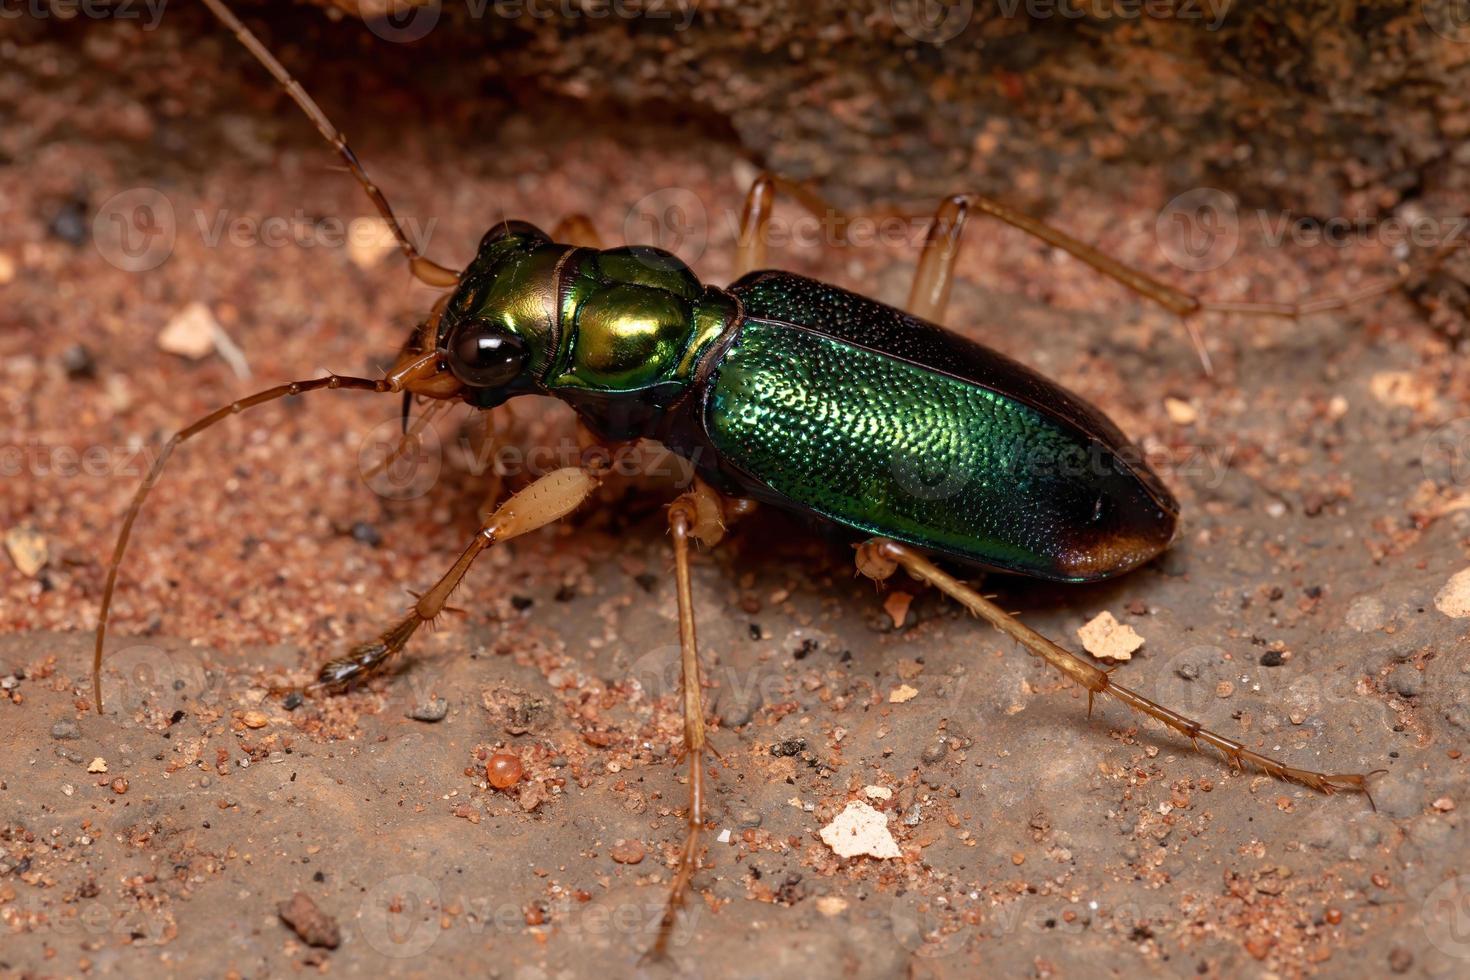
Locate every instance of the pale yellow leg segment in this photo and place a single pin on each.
(702, 515)
(929, 295)
(880, 558)
(755, 220)
(546, 501)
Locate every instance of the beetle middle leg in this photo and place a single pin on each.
(881, 557)
(549, 499)
(699, 515)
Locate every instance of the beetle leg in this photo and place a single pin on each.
(881, 557)
(755, 219)
(929, 295)
(930, 291)
(577, 229)
(549, 499)
(702, 515)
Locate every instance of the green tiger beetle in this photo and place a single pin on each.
(786, 391)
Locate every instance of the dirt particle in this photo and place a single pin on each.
(831, 905)
(1454, 599)
(430, 710)
(897, 607)
(1400, 960)
(78, 363)
(27, 548)
(1107, 639)
(628, 852)
(934, 752)
(902, 693)
(503, 770)
(859, 830)
(190, 333)
(1180, 412)
(314, 926)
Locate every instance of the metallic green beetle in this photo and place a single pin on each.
(812, 398)
(782, 389)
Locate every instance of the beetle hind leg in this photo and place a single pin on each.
(881, 557)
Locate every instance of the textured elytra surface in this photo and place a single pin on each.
(893, 448)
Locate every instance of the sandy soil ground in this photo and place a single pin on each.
(1310, 609)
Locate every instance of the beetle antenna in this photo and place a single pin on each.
(394, 381)
(424, 269)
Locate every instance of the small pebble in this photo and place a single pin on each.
(934, 751)
(365, 533)
(748, 818)
(65, 730)
(27, 547)
(628, 852)
(120, 786)
(1224, 689)
(434, 709)
(314, 926)
(70, 223)
(292, 702)
(255, 719)
(503, 770)
(78, 363)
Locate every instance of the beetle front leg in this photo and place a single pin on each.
(549, 499)
(881, 557)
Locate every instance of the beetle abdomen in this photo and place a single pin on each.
(1014, 474)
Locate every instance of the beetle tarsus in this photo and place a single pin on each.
(880, 553)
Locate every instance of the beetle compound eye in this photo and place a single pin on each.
(486, 355)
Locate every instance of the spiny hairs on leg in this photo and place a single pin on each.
(391, 383)
(881, 557)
